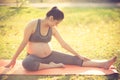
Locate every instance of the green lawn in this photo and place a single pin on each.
(93, 32)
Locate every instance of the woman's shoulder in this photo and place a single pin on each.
(31, 24)
(33, 21)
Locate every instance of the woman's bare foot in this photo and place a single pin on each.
(54, 65)
(110, 62)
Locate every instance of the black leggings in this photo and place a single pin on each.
(32, 62)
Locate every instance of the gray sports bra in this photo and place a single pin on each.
(37, 37)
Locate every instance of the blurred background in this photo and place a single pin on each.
(78, 2)
(41, 1)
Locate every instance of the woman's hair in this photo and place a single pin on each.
(56, 13)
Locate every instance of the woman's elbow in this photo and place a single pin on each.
(24, 42)
(63, 45)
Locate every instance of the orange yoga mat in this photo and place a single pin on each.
(67, 70)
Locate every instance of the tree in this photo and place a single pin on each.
(41, 1)
(20, 3)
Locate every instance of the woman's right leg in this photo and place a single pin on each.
(99, 63)
(34, 63)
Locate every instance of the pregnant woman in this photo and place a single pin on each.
(38, 34)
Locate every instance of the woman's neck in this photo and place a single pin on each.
(44, 22)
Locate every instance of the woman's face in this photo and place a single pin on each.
(56, 22)
(53, 22)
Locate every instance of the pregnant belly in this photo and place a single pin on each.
(39, 49)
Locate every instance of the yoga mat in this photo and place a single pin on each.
(67, 70)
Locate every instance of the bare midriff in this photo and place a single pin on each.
(39, 49)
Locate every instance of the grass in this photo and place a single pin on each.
(56, 78)
(93, 32)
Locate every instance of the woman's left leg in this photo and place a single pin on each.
(58, 57)
(99, 63)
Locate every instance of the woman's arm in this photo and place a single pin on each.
(65, 45)
(27, 33)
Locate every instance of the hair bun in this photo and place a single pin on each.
(55, 7)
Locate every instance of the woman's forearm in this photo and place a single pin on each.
(19, 50)
(67, 47)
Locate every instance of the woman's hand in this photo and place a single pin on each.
(11, 64)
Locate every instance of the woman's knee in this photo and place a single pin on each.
(30, 65)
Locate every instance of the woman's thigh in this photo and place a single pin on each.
(59, 57)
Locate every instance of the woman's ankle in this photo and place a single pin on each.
(108, 64)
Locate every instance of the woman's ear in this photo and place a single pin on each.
(51, 18)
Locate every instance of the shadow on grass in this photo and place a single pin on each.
(67, 77)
